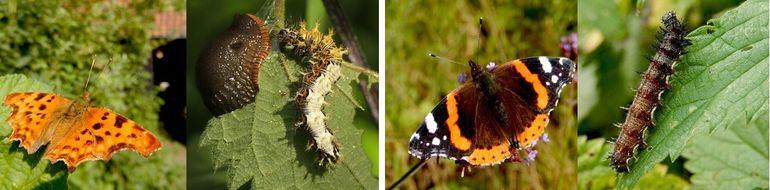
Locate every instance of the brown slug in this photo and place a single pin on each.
(227, 71)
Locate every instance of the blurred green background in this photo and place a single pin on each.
(416, 83)
(615, 39)
(55, 42)
(207, 19)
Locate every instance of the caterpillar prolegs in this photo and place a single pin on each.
(654, 82)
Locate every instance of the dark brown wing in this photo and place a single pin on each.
(465, 125)
(532, 87)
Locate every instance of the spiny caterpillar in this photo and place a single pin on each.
(647, 99)
(324, 57)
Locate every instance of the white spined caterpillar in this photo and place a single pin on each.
(324, 57)
(654, 82)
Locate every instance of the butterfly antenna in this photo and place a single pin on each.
(443, 58)
(109, 62)
(93, 60)
(107, 66)
(483, 33)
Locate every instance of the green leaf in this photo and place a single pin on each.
(722, 82)
(735, 158)
(658, 178)
(260, 146)
(20, 170)
(594, 170)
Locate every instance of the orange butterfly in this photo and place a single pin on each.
(77, 132)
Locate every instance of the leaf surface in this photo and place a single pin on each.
(260, 146)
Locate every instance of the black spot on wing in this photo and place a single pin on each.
(119, 121)
(99, 139)
(39, 96)
(97, 126)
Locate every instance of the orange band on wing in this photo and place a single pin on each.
(534, 131)
(493, 155)
(542, 93)
(458, 141)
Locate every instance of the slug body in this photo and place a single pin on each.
(227, 72)
(654, 82)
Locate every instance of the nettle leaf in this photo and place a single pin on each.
(594, 171)
(735, 158)
(18, 170)
(721, 83)
(260, 146)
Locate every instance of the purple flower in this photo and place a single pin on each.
(531, 155)
(574, 39)
(491, 66)
(544, 137)
(462, 78)
(568, 46)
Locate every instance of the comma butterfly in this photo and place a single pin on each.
(76, 131)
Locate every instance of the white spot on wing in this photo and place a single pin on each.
(415, 136)
(430, 123)
(554, 79)
(545, 64)
(436, 141)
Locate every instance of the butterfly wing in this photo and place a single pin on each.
(440, 133)
(492, 144)
(461, 128)
(464, 127)
(32, 113)
(100, 134)
(532, 87)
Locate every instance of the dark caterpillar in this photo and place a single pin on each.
(647, 99)
(324, 57)
(227, 72)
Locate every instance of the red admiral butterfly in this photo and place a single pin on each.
(499, 111)
(654, 83)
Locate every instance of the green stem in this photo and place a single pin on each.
(279, 11)
(361, 69)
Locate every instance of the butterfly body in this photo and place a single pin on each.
(63, 119)
(74, 131)
(499, 111)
